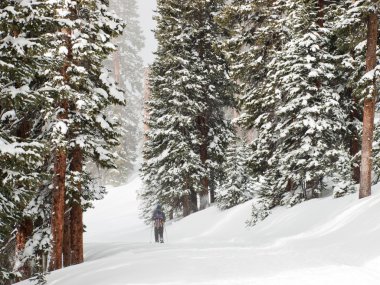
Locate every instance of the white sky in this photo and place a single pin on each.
(146, 8)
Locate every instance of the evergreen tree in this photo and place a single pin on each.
(188, 133)
(290, 96)
(81, 90)
(128, 70)
(54, 92)
(369, 102)
(255, 34)
(352, 22)
(238, 186)
(348, 26)
(310, 120)
(22, 42)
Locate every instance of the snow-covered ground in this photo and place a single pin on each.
(324, 241)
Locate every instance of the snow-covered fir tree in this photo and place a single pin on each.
(77, 125)
(351, 21)
(349, 29)
(238, 185)
(188, 132)
(309, 120)
(128, 70)
(22, 42)
(282, 57)
(132, 75)
(255, 34)
(57, 99)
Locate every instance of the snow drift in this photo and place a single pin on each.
(323, 241)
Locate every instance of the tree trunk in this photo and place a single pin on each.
(67, 240)
(59, 187)
(76, 214)
(321, 7)
(194, 200)
(25, 228)
(24, 231)
(369, 109)
(171, 214)
(212, 185)
(58, 209)
(289, 186)
(186, 209)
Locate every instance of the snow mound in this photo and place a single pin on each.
(323, 241)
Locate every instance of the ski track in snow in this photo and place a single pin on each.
(323, 241)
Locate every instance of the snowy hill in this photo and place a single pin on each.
(325, 241)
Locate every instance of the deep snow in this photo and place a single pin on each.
(323, 241)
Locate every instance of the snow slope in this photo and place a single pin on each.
(324, 241)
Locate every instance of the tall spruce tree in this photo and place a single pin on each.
(128, 71)
(238, 185)
(369, 101)
(255, 34)
(349, 29)
(81, 90)
(188, 133)
(63, 90)
(289, 95)
(310, 120)
(352, 21)
(22, 42)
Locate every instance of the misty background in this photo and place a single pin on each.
(146, 11)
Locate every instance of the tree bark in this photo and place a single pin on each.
(194, 200)
(186, 203)
(24, 231)
(59, 181)
(212, 186)
(58, 211)
(186, 209)
(76, 214)
(321, 7)
(67, 240)
(369, 109)
(25, 228)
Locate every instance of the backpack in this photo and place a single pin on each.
(158, 220)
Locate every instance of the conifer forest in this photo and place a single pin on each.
(269, 101)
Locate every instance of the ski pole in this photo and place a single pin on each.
(166, 234)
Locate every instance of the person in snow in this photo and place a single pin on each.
(158, 219)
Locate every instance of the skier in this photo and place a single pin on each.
(158, 219)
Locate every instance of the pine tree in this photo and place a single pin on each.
(57, 50)
(84, 91)
(22, 42)
(188, 133)
(369, 104)
(352, 21)
(348, 23)
(255, 34)
(128, 70)
(289, 94)
(238, 186)
(309, 118)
